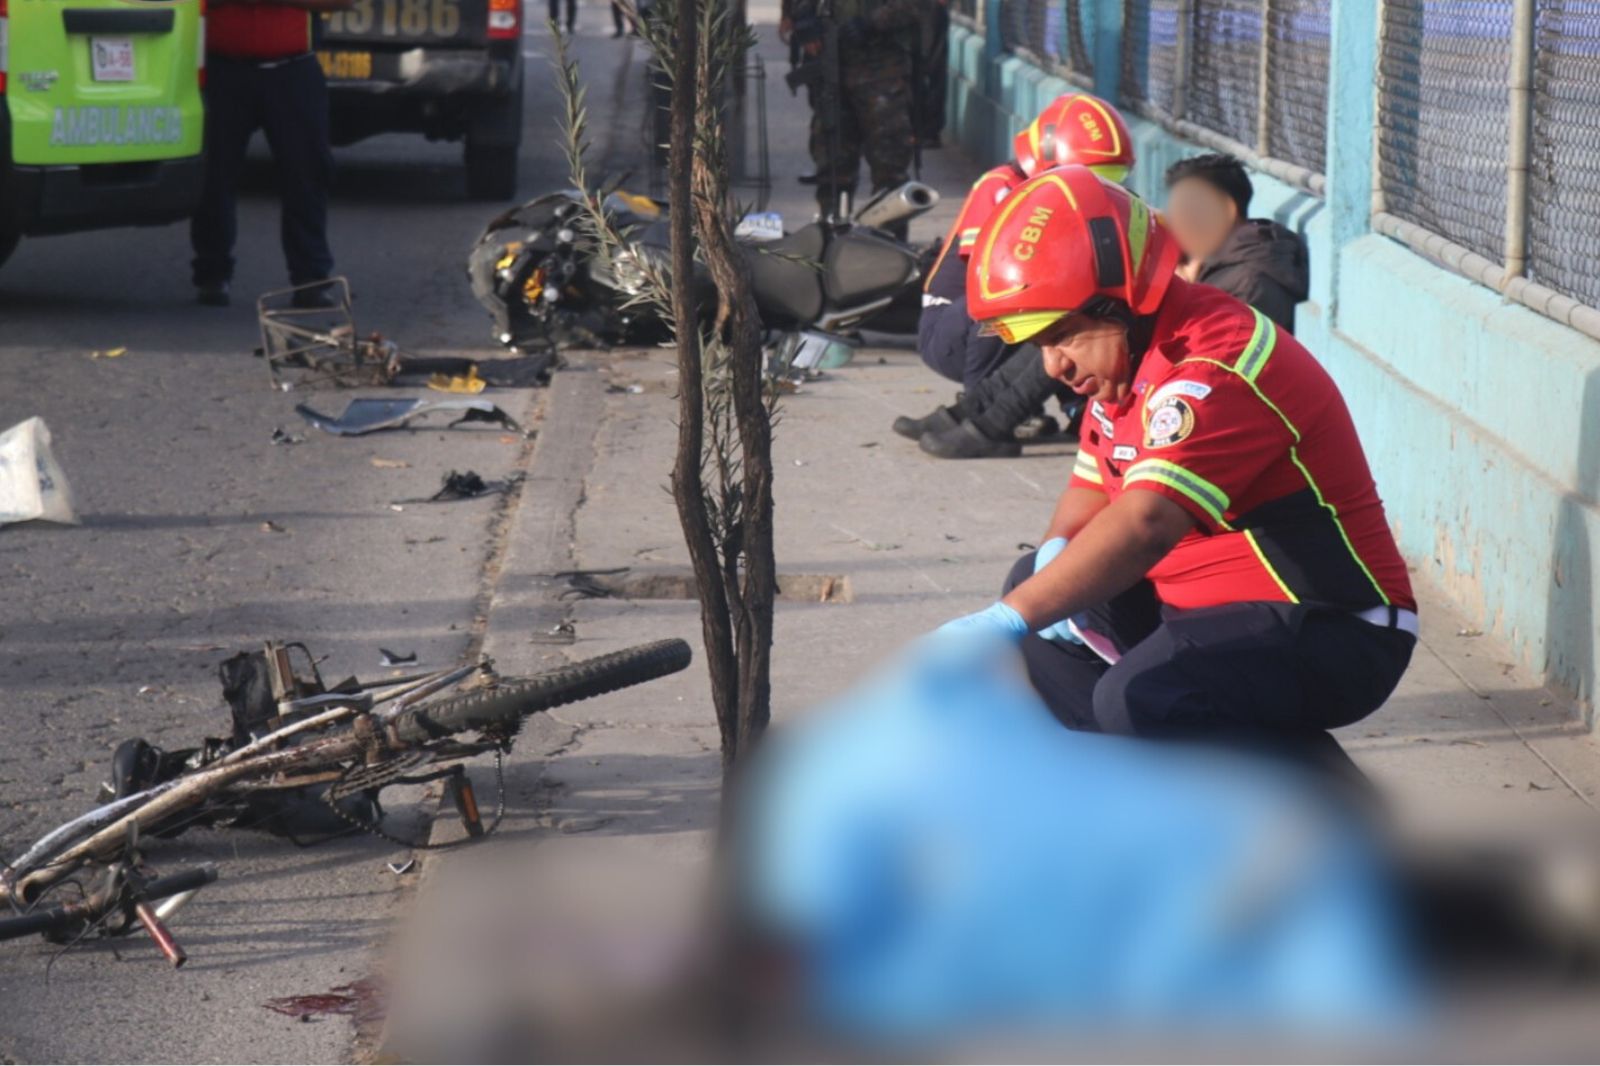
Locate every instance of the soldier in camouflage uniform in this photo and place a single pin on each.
(876, 38)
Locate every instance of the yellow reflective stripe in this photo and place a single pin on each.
(1254, 546)
(1087, 468)
(1311, 482)
(1212, 500)
(1256, 353)
(1138, 232)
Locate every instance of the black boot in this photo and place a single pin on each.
(940, 420)
(1013, 394)
(968, 441)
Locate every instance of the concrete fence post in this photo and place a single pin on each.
(1351, 136)
(1106, 47)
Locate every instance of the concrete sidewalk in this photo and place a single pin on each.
(903, 542)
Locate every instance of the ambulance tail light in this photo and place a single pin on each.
(200, 47)
(5, 45)
(505, 20)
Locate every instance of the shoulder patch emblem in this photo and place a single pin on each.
(1171, 421)
(1192, 389)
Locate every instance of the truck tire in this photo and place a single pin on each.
(491, 171)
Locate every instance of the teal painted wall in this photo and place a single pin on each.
(1481, 418)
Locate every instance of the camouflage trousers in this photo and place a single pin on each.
(874, 122)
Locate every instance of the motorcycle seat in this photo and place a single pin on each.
(785, 277)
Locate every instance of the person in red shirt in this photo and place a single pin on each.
(1219, 566)
(1004, 387)
(261, 75)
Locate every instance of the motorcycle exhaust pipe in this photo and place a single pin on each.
(898, 204)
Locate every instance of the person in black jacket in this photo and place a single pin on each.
(1252, 259)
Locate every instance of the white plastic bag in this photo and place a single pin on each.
(32, 484)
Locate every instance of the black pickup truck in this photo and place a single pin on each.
(448, 69)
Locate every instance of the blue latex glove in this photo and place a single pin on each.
(996, 620)
(1061, 633)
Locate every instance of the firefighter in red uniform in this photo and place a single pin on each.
(1003, 386)
(1219, 566)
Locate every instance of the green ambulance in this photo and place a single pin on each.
(100, 114)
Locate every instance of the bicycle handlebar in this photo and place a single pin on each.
(52, 919)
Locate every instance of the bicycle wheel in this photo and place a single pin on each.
(516, 698)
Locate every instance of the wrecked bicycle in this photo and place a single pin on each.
(296, 742)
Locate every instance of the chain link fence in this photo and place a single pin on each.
(1203, 62)
(1297, 83)
(1050, 32)
(1153, 32)
(1443, 118)
(1564, 157)
(1252, 77)
(1225, 67)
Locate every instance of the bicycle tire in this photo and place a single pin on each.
(516, 698)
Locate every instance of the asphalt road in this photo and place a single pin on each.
(201, 537)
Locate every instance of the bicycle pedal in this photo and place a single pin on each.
(466, 801)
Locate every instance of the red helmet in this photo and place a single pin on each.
(1076, 129)
(1062, 242)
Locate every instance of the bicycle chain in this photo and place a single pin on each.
(360, 778)
(422, 845)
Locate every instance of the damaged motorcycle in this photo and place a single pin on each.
(548, 284)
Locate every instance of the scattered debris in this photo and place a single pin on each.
(1024, 546)
(583, 584)
(109, 353)
(391, 464)
(370, 414)
(1539, 788)
(469, 382)
(395, 658)
(525, 372)
(309, 337)
(279, 436)
(269, 526)
(400, 869)
(632, 390)
(463, 486)
(561, 633)
(1469, 632)
(32, 484)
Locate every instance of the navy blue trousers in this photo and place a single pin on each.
(1267, 677)
(288, 103)
(950, 344)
